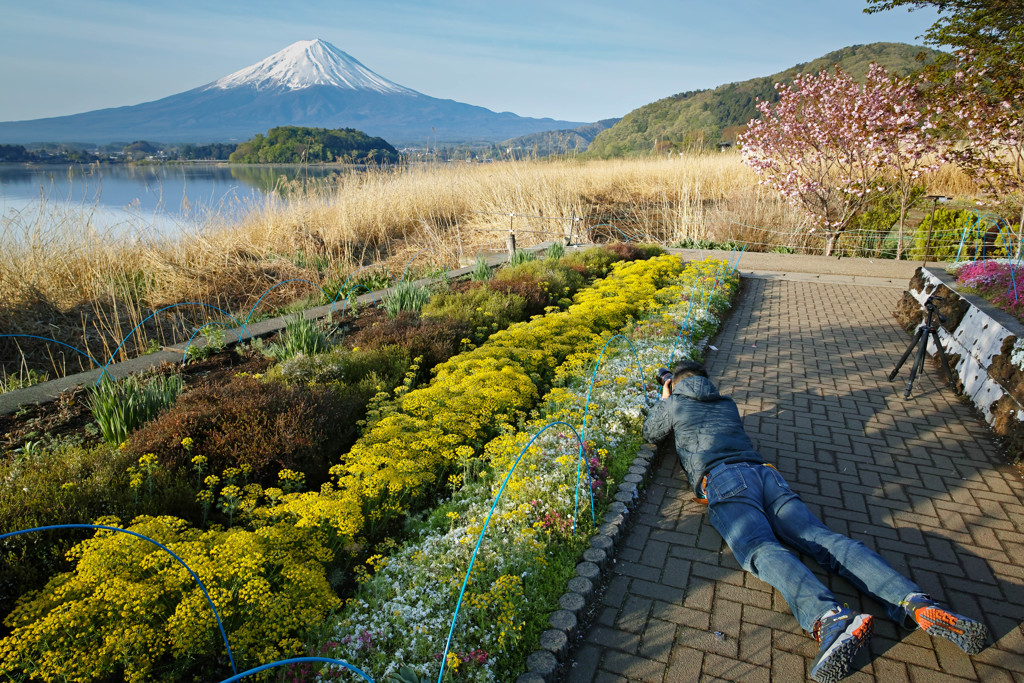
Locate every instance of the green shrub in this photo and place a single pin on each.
(129, 611)
(268, 426)
(405, 296)
(299, 336)
(386, 364)
(122, 406)
(950, 225)
(596, 260)
(483, 309)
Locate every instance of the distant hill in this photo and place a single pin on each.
(310, 83)
(703, 118)
(558, 141)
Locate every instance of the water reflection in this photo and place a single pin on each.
(161, 193)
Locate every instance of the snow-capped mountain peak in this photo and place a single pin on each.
(308, 63)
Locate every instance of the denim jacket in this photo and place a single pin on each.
(707, 426)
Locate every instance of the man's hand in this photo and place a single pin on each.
(666, 389)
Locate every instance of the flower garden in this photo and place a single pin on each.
(333, 502)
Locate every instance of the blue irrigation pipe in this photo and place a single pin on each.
(183, 303)
(350, 292)
(357, 270)
(608, 225)
(103, 368)
(686, 322)
(252, 310)
(742, 251)
(480, 539)
(212, 322)
(586, 410)
(297, 660)
(409, 263)
(167, 550)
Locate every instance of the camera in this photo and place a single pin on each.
(663, 375)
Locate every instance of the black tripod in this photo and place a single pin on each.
(927, 327)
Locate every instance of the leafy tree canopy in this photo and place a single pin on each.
(993, 30)
(295, 145)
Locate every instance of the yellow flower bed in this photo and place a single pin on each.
(130, 610)
(406, 457)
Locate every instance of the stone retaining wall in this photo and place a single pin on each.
(979, 340)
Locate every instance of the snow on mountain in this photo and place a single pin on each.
(309, 63)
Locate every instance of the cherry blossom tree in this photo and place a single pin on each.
(984, 132)
(829, 143)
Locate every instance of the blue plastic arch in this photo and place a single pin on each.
(183, 303)
(409, 263)
(357, 270)
(684, 326)
(608, 225)
(103, 368)
(200, 329)
(282, 282)
(297, 660)
(350, 292)
(480, 539)
(167, 550)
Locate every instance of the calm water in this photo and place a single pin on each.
(163, 198)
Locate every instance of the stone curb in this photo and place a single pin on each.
(547, 664)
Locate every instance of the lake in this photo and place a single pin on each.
(139, 198)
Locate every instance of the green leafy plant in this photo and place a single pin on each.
(555, 251)
(300, 336)
(122, 406)
(481, 272)
(213, 343)
(521, 256)
(23, 379)
(406, 296)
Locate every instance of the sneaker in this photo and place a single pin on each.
(842, 633)
(936, 620)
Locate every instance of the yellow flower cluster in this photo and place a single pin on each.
(407, 455)
(129, 609)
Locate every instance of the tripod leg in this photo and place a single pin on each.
(906, 354)
(941, 353)
(922, 351)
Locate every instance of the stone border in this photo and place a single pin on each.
(978, 338)
(547, 663)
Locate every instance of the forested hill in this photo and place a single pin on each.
(703, 118)
(296, 145)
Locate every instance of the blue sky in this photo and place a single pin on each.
(567, 59)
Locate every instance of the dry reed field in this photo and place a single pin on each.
(62, 279)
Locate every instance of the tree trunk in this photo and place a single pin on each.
(899, 241)
(830, 242)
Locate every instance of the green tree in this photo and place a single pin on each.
(991, 30)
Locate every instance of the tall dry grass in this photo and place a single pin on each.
(62, 278)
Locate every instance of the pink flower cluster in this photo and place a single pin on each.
(985, 276)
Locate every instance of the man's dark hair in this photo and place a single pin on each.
(688, 368)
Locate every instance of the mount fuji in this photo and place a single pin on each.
(309, 83)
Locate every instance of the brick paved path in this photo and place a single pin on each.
(920, 480)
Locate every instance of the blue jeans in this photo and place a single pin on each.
(754, 509)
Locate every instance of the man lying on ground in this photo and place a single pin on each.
(756, 512)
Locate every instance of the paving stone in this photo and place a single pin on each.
(920, 480)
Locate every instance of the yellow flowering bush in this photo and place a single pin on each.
(406, 456)
(129, 610)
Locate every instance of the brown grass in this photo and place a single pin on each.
(61, 278)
